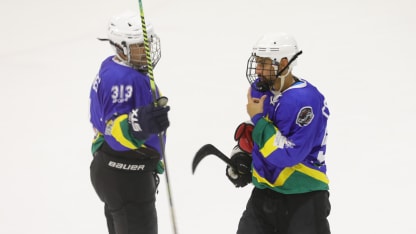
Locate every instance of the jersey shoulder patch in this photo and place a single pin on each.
(305, 116)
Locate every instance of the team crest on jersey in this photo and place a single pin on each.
(305, 116)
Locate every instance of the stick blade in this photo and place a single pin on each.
(206, 150)
(201, 154)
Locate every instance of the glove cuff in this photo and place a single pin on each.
(134, 126)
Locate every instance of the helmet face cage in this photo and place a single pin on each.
(155, 50)
(251, 69)
(252, 76)
(274, 46)
(139, 60)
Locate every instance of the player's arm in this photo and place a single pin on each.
(132, 129)
(274, 146)
(280, 149)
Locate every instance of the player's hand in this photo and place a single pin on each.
(254, 105)
(148, 120)
(240, 176)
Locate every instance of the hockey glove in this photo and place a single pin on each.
(148, 120)
(243, 136)
(240, 176)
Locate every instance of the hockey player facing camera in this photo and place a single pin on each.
(281, 150)
(126, 149)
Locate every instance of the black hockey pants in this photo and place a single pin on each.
(269, 212)
(127, 186)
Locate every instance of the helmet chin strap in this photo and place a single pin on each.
(124, 61)
(282, 81)
(283, 77)
(120, 58)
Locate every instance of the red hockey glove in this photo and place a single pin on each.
(243, 136)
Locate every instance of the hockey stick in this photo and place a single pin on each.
(153, 87)
(209, 149)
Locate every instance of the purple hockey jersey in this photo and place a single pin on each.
(290, 140)
(117, 90)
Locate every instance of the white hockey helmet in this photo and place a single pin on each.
(126, 29)
(275, 45)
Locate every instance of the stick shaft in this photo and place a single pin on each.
(153, 87)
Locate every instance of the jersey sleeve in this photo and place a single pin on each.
(282, 142)
(119, 129)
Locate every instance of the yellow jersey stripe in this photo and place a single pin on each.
(288, 171)
(117, 133)
(268, 147)
(312, 173)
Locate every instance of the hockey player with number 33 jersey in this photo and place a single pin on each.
(283, 145)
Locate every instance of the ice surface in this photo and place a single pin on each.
(360, 54)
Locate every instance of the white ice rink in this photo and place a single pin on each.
(360, 53)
